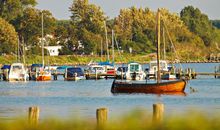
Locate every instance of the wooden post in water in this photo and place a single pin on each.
(215, 71)
(101, 116)
(96, 75)
(7, 74)
(33, 115)
(158, 110)
(121, 74)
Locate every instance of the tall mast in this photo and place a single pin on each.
(106, 38)
(42, 37)
(113, 52)
(158, 46)
(164, 44)
(101, 50)
(18, 56)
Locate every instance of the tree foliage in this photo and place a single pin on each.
(87, 23)
(11, 9)
(192, 31)
(216, 23)
(29, 26)
(198, 23)
(8, 38)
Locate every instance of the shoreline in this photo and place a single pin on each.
(120, 63)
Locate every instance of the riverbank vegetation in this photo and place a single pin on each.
(188, 36)
(135, 120)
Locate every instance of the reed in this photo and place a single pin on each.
(139, 120)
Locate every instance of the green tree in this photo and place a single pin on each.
(135, 25)
(198, 23)
(8, 38)
(11, 9)
(63, 33)
(87, 23)
(216, 23)
(29, 25)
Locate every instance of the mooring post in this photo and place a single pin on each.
(121, 74)
(33, 115)
(7, 74)
(96, 75)
(158, 110)
(101, 116)
(216, 71)
(55, 75)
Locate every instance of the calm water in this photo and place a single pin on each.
(82, 98)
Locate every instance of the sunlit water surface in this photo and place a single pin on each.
(66, 99)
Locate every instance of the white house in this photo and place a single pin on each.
(53, 50)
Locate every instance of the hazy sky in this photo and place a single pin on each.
(60, 8)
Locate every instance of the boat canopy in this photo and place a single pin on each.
(106, 63)
(62, 67)
(77, 70)
(6, 67)
(37, 65)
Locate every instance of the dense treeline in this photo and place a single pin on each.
(190, 35)
(216, 23)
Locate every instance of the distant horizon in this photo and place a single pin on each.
(60, 9)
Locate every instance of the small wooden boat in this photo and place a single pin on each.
(158, 88)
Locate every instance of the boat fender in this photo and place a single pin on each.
(75, 74)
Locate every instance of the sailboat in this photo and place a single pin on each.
(43, 74)
(159, 87)
(18, 71)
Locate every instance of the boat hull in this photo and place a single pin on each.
(158, 88)
(43, 78)
(74, 78)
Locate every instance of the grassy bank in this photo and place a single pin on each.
(82, 60)
(74, 59)
(133, 121)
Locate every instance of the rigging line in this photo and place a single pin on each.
(118, 47)
(171, 41)
(217, 46)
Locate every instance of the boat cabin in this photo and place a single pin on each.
(135, 71)
(74, 73)
(18, 72)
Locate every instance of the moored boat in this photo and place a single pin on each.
(121, 72)
(34, 71)
(18, 72)
(135, 72)
(158, 88)
(74, 73)
(44, 76)
(95, 72)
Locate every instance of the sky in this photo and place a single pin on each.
(60, 8)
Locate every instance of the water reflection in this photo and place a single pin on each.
(84, 97)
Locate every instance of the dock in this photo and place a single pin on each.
(99, 76)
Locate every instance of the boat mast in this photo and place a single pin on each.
(42, 36)
(164, 45)
(158, 46)
(18, 56)
(106, 38)
(113, 52)
(101, 50)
